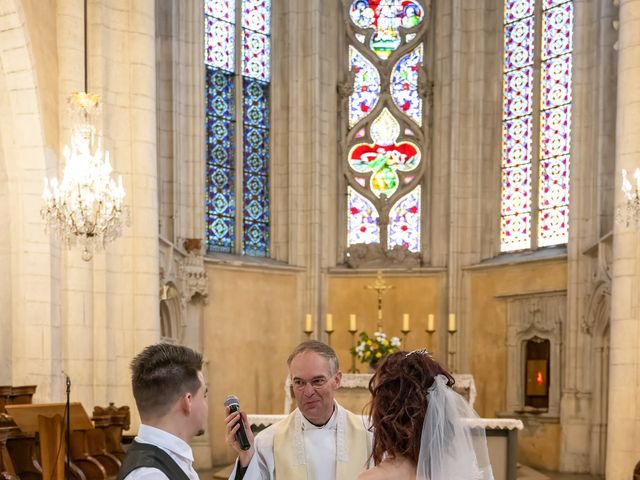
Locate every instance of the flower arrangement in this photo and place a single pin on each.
(373, 349)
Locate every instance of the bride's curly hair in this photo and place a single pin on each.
(399, 403)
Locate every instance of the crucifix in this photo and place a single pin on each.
(381, 287)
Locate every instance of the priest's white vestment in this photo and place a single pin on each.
(295, 449)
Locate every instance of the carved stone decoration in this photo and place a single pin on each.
(598, 309)
(345, 89)
(534, 316)
(192, 276)
(372, 255)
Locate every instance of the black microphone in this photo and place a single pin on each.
(241, 436)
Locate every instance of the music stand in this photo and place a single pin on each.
(47, 419)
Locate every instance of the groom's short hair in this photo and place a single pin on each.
(161, 374)
(321, 349)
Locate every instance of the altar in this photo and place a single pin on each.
(353, 394)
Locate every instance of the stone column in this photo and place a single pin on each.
(623, 446)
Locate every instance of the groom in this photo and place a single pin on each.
(319, 440)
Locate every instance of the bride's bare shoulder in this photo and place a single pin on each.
(375, 473)
(387, 470)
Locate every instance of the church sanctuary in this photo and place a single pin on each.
(239, 176)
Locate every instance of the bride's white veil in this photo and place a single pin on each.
(450, 447)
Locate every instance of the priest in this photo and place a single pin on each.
(319, 440)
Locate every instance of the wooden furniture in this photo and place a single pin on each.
(48, 421)
(113, 421)
(18, 457)
(7, 469)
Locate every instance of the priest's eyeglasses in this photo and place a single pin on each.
(316, 383)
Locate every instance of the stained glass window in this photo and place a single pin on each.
(404, 85)
(545, 178)
(384, 158)
(404, 222)
(388, 19)
(238, 145)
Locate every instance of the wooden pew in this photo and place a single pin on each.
(113, 421)
(18, 450)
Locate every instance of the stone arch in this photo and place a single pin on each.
(26, 263)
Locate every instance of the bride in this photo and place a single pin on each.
(423, 430)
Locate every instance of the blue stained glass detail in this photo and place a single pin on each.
(256, 103)
(220, 93)
(256, 215)
(256, 154)
(256, 150)
(220, 186)
(223, 201)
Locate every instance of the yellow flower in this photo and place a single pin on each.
(367, 355)
(385, 343)
(378, 355)
(368, 342)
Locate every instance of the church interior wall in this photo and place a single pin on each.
(539, 443)
(417, 295)
(247, 337)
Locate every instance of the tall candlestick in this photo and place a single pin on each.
(452, 323)
(307, 323)
(431, 323)
(329, 324)
(405, 322)
(352, 323)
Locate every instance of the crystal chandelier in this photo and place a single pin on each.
(629, 213)
(86, 207)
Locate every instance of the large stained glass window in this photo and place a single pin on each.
(237, 63)
(385, 157)
(535, 183)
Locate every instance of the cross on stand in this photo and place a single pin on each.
(381, 287)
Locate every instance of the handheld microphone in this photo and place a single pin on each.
(241, 436)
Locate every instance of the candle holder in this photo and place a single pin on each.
(353, 368)
(405, 334)
(329, 332)
(451, 351)
(430, 338)
(308, 334)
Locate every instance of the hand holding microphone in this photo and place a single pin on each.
(236, 433)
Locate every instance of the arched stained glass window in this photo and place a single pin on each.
(385, 154)
(536, 132)
(237, 62)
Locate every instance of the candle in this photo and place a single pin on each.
(452, 322)
(307, 323)
(405, 322)
(352, 322)
(329, 326)
(431, 323)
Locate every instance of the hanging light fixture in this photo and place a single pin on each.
(86, 207)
